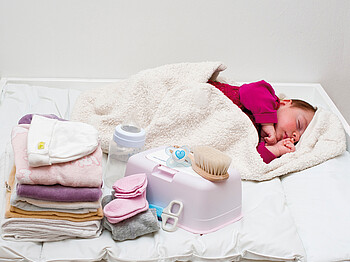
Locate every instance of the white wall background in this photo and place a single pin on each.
(275, 40)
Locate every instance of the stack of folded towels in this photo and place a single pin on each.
(55, 186)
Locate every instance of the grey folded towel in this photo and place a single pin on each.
(141, 224)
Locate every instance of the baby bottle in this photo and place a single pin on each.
(127, 141)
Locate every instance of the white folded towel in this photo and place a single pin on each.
(51, 141)
(33, 229)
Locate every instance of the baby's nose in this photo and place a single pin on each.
(295, 137)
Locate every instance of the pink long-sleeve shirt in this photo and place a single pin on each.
(259, 101)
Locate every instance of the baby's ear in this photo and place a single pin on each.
(286, 102)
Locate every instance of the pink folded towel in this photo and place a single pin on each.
(130, 186)
(83, 172)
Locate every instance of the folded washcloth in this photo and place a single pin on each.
(122, 208)
(45, 230)
(59, 193)
(27, 119)
(51, 141)
(130, 186)
(141, 224)
(83, 172)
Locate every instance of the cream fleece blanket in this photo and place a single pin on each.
(175, 105)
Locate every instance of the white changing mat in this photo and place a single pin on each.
(266, 232)
(275, 226)
(11, 250)
(318, 199)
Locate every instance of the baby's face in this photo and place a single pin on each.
(292, 122)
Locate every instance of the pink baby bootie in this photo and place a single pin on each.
(130, 193)
(130, 186)
(122, 208)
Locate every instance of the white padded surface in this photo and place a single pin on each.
(305, 212)
(266, 231)
(11, 250)
(319, 200)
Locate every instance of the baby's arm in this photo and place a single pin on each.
(282, 147)
(260, 99)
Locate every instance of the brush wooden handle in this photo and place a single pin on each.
(205, 174)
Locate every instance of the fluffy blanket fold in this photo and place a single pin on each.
(176, 105)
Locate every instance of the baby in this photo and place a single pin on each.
(293, 116)
(280, 123)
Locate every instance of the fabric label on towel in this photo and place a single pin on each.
(41, 145)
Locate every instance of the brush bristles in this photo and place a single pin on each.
(211, 160)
